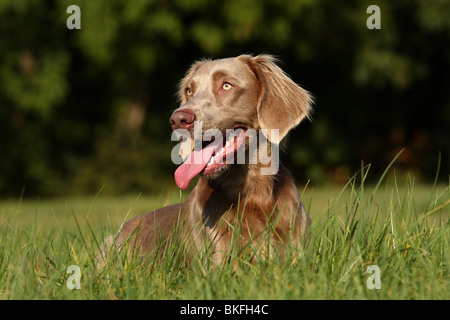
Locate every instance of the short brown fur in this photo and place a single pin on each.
(263, 97)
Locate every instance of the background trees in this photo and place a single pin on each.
(80, 109)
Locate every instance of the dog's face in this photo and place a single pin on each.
(234, 95)
(223, 94)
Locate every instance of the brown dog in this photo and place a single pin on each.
(245, 94)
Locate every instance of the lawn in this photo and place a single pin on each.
(397, 228)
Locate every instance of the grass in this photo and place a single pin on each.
(398, 226)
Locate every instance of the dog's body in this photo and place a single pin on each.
(245, 92)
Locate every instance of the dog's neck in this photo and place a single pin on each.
(240, 183)
(245, 191)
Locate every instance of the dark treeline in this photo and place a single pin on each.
(82, 109)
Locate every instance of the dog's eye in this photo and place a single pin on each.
(226, 86)
(188, 92)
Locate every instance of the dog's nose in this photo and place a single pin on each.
(182, 119)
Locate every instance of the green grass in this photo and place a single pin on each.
(401, 227)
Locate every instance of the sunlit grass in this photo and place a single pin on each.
(401, 227)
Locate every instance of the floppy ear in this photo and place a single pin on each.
(282, 103)
(183, 83)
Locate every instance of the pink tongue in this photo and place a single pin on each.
(194, 164)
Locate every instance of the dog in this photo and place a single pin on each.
(239, 95)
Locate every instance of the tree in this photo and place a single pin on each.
(84, 107)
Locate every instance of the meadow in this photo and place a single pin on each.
(398, 226)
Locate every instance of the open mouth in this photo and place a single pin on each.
(213, 158)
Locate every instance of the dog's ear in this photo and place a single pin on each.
(282, 103)
(183, 83)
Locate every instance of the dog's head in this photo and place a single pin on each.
(237, 96)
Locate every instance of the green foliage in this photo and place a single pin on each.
(65, 95)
